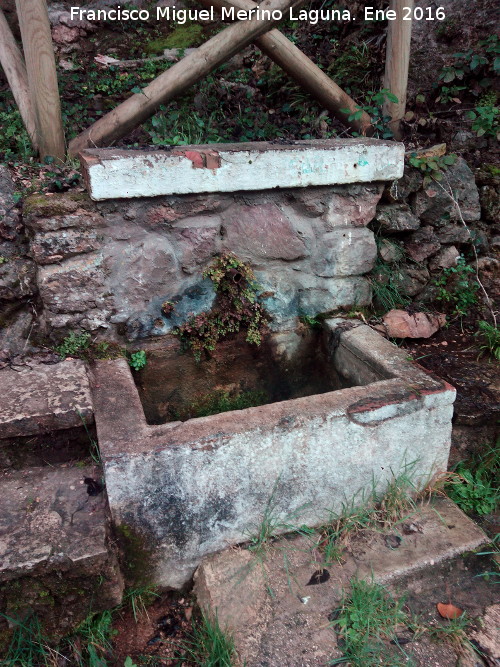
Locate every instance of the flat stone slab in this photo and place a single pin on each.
(40, 398)
(112, 173)
(277, 618)
(54, 554)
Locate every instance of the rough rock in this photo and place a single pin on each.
(454, 233)
(153, 266)
(325, 295)
(400, 190)
(53, 204)
(389, 252)
(345, 252)
(54, 554)
(392, 218)
(62, 34)
(15, 330)
(488, 180)
(411, 280)
(43, 398)
(488, 636)
(261, 232)
(82, 219)
(196, 241)
(278, 295)
(51, 247)
(76, 285)
(181, 207)
(445, 259)
(10, 223)
(439, 208)
(422, 244)
(17, 279)
(356, 207)
(400, 324)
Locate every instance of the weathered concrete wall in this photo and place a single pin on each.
(111, 265)
(210, 480)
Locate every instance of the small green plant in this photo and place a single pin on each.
(449, 94)
(208, 645)
(432, 167)
(373, 106)
(74, 344)
(312, 322)
(458, 287)
(138, 360)
(366, 621)
(476, 483)
(129, 662)
(236, 308)
(3, 260)
(485, 120)
(490, 335)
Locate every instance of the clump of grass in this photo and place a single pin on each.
(387, 286)
(28, 647)
(368, 511)
(367, 619)
(139, 599)
(475, 486)
(208, 644)
(490, 337)
(91, 643)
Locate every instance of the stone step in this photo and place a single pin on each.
(46, 414)
(55, 555)
(278, 618)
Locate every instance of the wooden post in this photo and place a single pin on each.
(397, 60)
(12, 63)
(302, 70)
(179, 78)
(42, 77)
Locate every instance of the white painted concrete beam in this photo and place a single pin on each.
(112, 173)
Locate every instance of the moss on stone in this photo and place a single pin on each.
(59, 204)
(136, 555)
(183, 37)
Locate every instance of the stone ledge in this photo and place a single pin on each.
(55, 559)
(44, 398)
(114, 173)
(293, 620)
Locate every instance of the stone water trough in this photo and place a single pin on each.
(182, 490)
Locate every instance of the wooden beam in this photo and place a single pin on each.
(397, 61)
(13, 65)
(178, 78)
(302, 70)
(42, 77)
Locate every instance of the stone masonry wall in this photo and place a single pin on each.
(111, 265)
(68, 263)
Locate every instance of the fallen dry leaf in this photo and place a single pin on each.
(449, 611)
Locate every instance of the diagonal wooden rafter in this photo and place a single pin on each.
(12, 62)
(302, 70)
